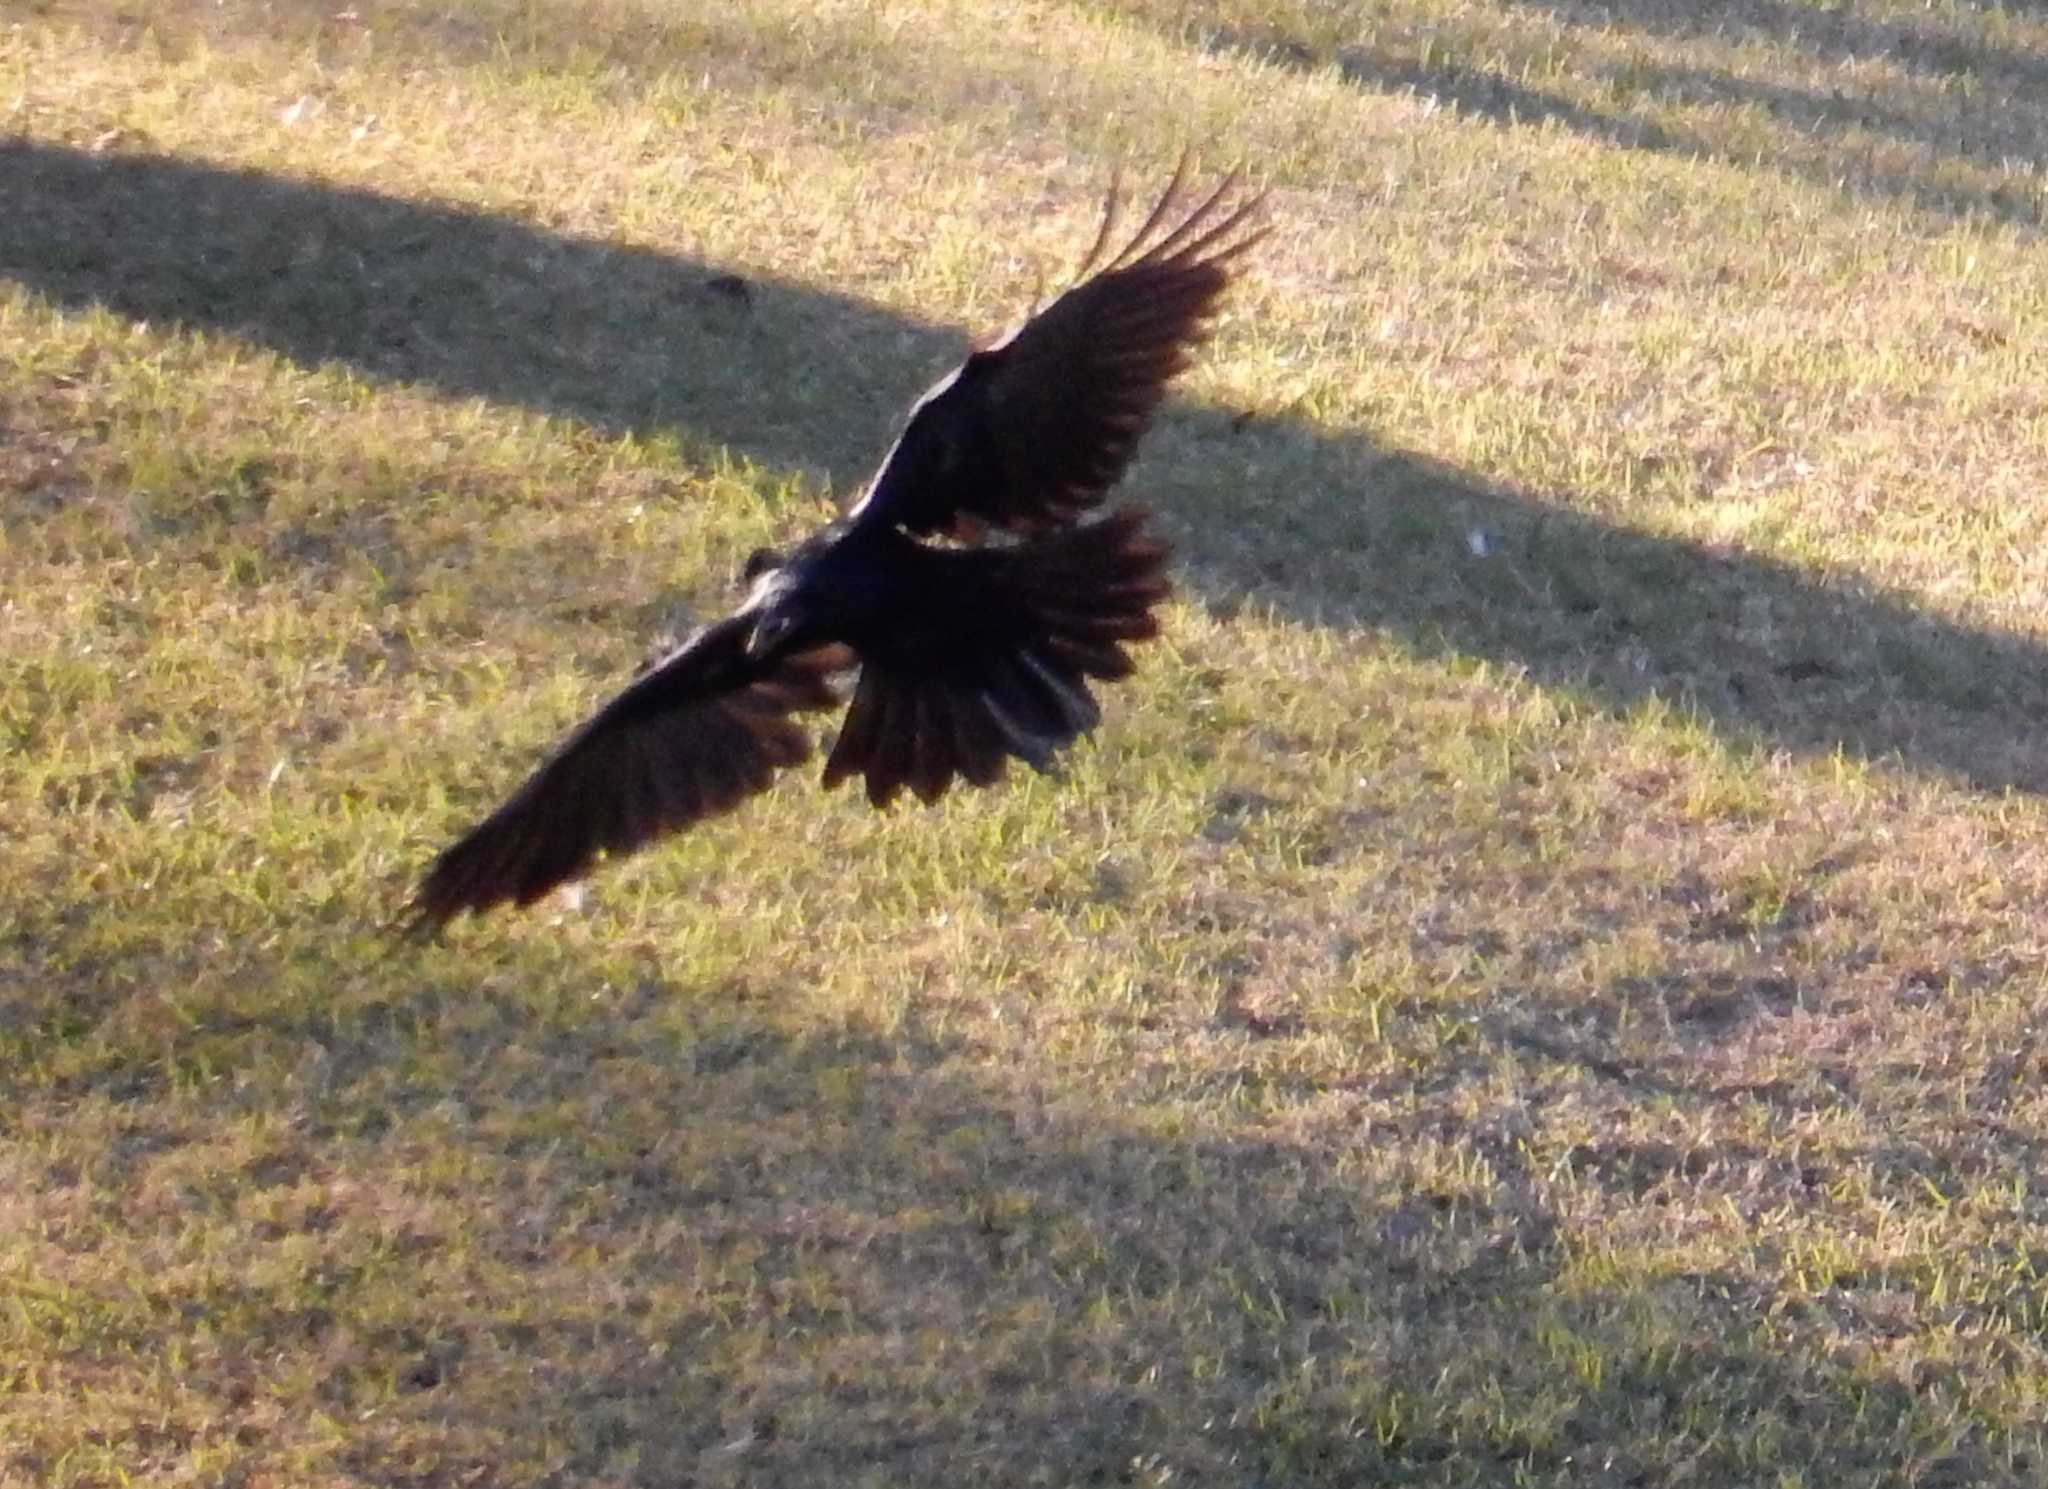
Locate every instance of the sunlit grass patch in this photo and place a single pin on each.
(1535, 981)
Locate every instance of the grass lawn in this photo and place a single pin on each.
(1538, 980)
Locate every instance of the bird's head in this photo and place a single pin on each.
(778, 611)
(772, 628)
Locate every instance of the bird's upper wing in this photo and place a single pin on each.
(1032, 431)
(694, 736)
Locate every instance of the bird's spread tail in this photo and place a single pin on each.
(1001, 664)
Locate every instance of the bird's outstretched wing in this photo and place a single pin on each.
(1032, 430)
(694, 736)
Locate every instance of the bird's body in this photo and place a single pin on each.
(837, 584)
(969, 651)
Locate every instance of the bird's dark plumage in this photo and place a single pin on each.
(968, 653)
(1033, 429)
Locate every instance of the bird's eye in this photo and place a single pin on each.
(760, 561)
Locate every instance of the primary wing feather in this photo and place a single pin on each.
(693, 737)
(1032, 431)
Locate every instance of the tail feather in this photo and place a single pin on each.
(1071, 700)
(1020, 701)
(1104, 659)
(1004, 667)
(978, 746)
(888, 762)
(931, 745)
(859, 731)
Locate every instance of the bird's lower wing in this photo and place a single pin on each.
(695, 736)
(996, 662)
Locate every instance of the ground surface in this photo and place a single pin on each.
(1537, 982)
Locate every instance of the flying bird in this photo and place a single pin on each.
(964, 584)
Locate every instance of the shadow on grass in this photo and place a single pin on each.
(1833, 34)
(1988, 115)
(464, 302)
(1358, 535)
(1986, 139)
(1767, 654)
(686, 1236)
(668, 1237)
(953, 1276)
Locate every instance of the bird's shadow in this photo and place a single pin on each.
(1356, 535)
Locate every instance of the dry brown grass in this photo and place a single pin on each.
(1537, 982)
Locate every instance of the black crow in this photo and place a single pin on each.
(962, 584)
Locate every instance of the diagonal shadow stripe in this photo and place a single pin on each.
(1358, 536)
(1979, 138)
(1769, 655)
(467, 302)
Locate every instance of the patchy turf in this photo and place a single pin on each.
(1536, 982)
